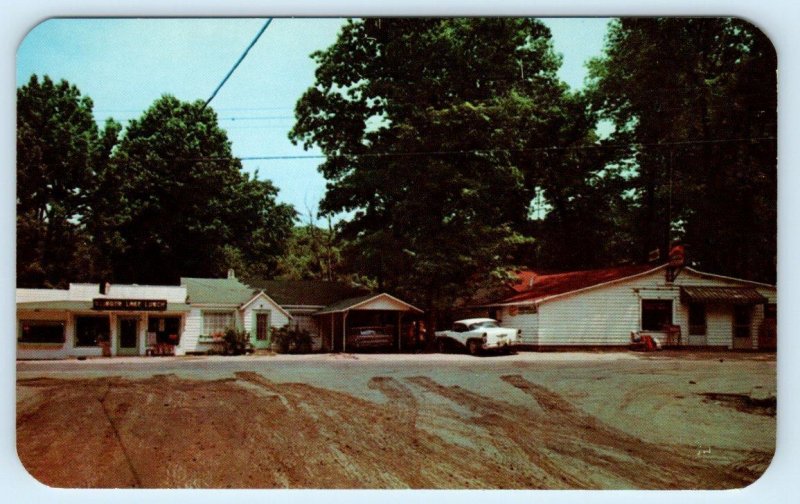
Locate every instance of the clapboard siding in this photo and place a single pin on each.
(604, 316)
(528, 323)
(191, 332)
(607, 315)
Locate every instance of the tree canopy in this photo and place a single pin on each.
(693, 102)
(429, 127)
(59, 149)
(162, 199)
(175, 201)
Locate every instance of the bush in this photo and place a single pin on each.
(286, 340)
(237, 342)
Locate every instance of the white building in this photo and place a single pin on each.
(605, 307)
(92, 320)
(88, 320)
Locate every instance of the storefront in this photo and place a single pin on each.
(84, 321)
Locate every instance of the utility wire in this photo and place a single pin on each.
(489, 151)
(241, 58)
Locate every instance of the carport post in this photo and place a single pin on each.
(344, 331)
(399, 331)
(332, 320)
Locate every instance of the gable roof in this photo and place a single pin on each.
(262, 294)
(227, 291)
(353, 303)
(307, 292)
(547, 285)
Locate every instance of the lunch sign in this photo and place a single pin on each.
(129, 304)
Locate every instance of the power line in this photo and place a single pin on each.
(241, 58)
(489, 151)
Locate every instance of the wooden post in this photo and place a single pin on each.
(332, 318)
(399, 331)
(344, 331)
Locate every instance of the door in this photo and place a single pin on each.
(261, 330)
(128, 341)
(742, 330)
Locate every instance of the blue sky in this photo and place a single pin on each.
(125, 64)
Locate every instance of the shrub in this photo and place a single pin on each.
(237, 342)
(286, 340)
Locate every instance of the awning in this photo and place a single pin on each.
(726, 295)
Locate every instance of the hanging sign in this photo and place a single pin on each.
(129, 304)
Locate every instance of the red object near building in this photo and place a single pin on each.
(677, 256)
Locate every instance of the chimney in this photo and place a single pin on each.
(231, 273)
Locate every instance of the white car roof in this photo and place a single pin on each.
(474, 320)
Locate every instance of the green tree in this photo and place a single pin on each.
(59, 152)
(423, 123)
(174, 202)
(693, 102)
(312, 253)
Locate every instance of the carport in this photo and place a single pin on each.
(382, 310)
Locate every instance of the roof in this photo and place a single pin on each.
(353, 303)
(547, 285)
(262, 294)
(728, 295)
(475, 320)
(84, 306)
(307, 292)
(225, 291)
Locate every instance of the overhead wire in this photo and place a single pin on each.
(488, 151)
(236, 65)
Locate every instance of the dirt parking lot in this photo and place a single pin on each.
(532, 420)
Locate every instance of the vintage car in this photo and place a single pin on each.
(364, 338)
(476, 335)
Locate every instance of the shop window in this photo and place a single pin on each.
(697, 319)
(217, 322)
(656, 313)
(41, 331)
(90, 331)
(166, 329)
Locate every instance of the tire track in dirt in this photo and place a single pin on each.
(360, 444)
(251, 432)
(664, 466)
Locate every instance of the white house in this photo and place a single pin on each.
(89, 320)
(221, 303)
(605, 307)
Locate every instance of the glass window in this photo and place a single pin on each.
(165, 329)
(217, 322)
(41, 331)
(90, 331)
(656, 313)
(697, 319)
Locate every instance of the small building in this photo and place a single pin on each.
(605, 307)
(89, 320)
(219, 304)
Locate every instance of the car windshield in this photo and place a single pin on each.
(485, 323)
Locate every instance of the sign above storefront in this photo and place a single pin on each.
(129, 304)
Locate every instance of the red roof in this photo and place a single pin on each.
(547, 285)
